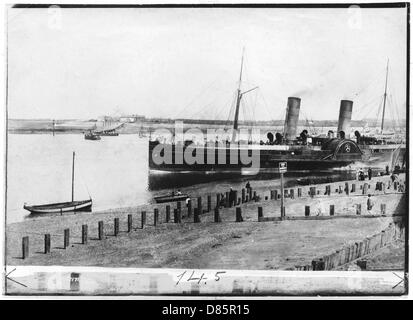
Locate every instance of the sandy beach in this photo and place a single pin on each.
(234, 245)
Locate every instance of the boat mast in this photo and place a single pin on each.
(385, 97)
(238, 100)
(73, 176)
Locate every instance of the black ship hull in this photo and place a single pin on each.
(337, 157)
(252, 159)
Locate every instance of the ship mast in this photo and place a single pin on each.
(235, 128)
(239, 96)
(73, 176)
(385, 97)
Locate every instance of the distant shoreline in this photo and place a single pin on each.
(45, 126)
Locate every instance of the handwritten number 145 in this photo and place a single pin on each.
(199, 279)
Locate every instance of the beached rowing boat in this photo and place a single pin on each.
(85, 205)
(171, 198)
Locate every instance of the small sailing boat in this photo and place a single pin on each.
(70, 206)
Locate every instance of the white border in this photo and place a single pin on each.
(3, 13)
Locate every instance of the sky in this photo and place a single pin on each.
(185, 62)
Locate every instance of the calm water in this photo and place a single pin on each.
(114, 171)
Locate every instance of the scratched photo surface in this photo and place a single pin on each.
(207, 150)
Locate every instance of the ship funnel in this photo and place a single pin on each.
(344, 120)
(291, 118)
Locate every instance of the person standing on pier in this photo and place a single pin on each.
(369, 173)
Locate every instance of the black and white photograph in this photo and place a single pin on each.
(206, 150)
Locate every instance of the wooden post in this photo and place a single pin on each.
(179, 215)
(129, 222)
(238, 216)
(168, 213)
(25, 247)
(188, 208)
(143, 219)
(346, 188)
(47, 243)
(155, 216)
(116, 226)
(100, 230)
(196, 215)
(307, 211)
(283, 212)
(199, 205)
(217, 218)
(331, 209)
(209, 203)
(175, 215)
(84, 233)
(227, 204)
(178, 205)
(218, 200)
(365, 188)
(66, 240)
(358, 208)
(383, 208)
(260, 214)
(243, 195)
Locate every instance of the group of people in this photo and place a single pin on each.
(232, 196)
(361, 175)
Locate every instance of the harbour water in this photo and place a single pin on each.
(113, 171)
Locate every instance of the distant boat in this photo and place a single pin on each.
(60, 207)
(171, 198)
(109, 133)
(92, 136)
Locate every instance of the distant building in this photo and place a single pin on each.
(131, 118)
